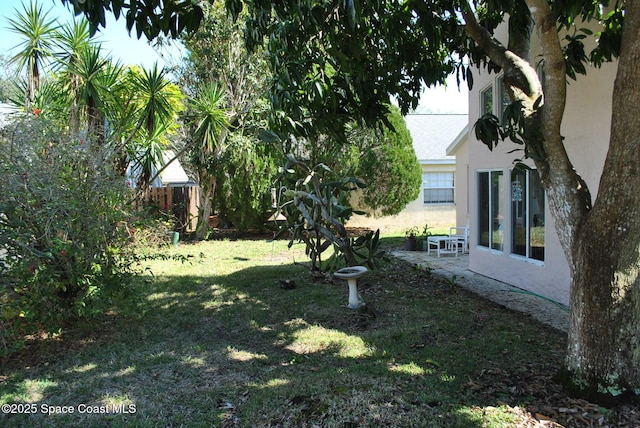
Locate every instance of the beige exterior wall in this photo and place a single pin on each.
(586, 130)
(416, 213)
(463, 181)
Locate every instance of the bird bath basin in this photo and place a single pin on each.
(351, 274)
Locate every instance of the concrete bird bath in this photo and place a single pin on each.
(351, 274)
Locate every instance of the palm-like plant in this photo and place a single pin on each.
(88, 70)
(38, 33)
(154, 105)
(209, 119)
(48, 101)
(152, 87)
(72, 40)
(210, 123)
(147, 154)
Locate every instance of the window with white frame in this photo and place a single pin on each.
(486, 100)
(490, 215)
(438, 187)
(527, 214)
(503, 96)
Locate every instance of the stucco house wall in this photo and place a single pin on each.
(460, 149)
(585, 127)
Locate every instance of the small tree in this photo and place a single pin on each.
(382, 156)
(36, 31)
(217, 53)
(244, 197)
(208, 120)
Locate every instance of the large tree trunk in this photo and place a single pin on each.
(601, 243)
(604, 338)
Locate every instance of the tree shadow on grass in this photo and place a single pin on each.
(237, 350)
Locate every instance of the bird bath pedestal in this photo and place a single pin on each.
(351, 274)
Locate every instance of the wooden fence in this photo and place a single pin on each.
(182, 202)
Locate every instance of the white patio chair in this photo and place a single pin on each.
(462, 233)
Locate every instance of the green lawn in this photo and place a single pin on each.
(217, 342)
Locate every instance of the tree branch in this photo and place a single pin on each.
(568, 195)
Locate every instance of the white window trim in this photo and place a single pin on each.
(452, 188)
(528, 257)
(490, 86)
(489, 248)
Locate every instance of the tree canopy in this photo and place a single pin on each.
(336, 61)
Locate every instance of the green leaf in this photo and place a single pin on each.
(487, 130)
(469, 78)
(269, 136)
(308, 179)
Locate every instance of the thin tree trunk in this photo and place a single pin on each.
(74, 109)
(204, 211)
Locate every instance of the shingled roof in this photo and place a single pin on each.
(433, 133)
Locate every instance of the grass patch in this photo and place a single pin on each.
(217, 342)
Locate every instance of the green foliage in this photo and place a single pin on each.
(390, 167)
(217, 52)
(8, 79)
(83, 89)
(208, 124)
(241, 166)
(316, 208)
(328, 65)
(367, 249)
(487, 130)
(176, 17)
(575, 55)
(244, 197)
(208, 117)
(412, 232)
(383, 157)
(62, 230)
(609, 39)
(250, 165)
(336, 45)
(35, 30)
(151, 228)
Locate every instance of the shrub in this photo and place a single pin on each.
(316, 210)
(63, 237)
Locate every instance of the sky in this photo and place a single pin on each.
(115, 39)
(117, 43)
(447, 99)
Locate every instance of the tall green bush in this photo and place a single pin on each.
(250, 165)
(63, 236)
(390, 167)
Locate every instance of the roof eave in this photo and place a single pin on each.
(462, 136)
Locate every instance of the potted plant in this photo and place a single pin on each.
(426, 233)
(411, 241)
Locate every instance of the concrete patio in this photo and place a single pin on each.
(542, 309)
